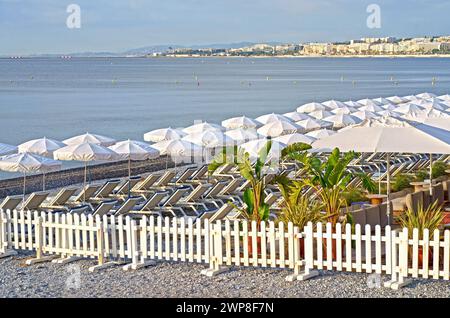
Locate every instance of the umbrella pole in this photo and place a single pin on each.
(379, 180)
(84, 182)
(43, 181)
(431, 174)
(24, 187)
(129, 177)
(388, 188)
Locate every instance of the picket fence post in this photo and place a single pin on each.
(4, 245)
(215, 256)
(400, 260)
(40, 243)
(138, 259)
(308, 262)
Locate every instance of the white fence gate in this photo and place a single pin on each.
(118, 240)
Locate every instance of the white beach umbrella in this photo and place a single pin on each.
(241, 136)
(294, 138)
(179, 150)
(371, 108)
(442, 123)
(426, 95)
(352, 104)
(321, 114)
(28, 163)
(432, 103)
(270, 118)
(344, 110)
(363, 114)
(240, 122)
(390, 136)
(410, 98)
(313, 124)
(6, 149)
(43, 146)
(407, 108)
(369, 102)
(397, 100)
(444, 97)
(209, 139)
(319, 134)
(422, 115)
(296, 116)
(164, 134)
(86, 152)
(387, 113)
(254, 147)
(389, 106)
(382, 101)
(334, 104)
(278, 128)
(311, 107)
(90, 138)
(342, 120)
(134, 150)
(201, 127)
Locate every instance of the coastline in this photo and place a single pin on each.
(418, 56)
(302, 56)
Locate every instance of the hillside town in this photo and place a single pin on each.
(439, 45)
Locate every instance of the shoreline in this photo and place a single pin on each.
(419, 56)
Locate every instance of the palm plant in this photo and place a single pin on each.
(330, 179)
(255, 208)
(430, 218)
(297, 208)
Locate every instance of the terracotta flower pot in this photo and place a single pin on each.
(250, 246)
(446, 219)
(421, 256)
(334, 249)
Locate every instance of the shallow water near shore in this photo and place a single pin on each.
(126, 97)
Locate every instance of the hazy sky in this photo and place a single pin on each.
(39, 26)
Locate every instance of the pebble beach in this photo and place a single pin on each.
(171, 280)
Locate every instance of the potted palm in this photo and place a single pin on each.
(297, 208)
(330, 180)
(255, 208)
(430, 218)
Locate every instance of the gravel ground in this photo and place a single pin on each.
(184, 280)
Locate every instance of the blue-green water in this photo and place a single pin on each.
(124, 98)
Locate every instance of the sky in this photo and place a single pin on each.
(39, 26)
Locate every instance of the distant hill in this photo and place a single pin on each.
(154, 49)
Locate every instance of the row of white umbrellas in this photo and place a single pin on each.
(34, 155)
(310, 122)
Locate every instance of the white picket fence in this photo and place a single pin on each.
(139, 242)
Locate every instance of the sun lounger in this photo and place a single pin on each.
(152, 203)
(217, 214)
(128, 205)
(11, 202)
(124, 189)
(60, 199)
(34, 201)
(86, 194)
(104, 208)
(146, 184)
(170, 204)
(184, 177)
(106, 191)
(193, 200)
(165, 179)
(200, 174)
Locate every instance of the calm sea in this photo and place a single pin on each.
(126, 97)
